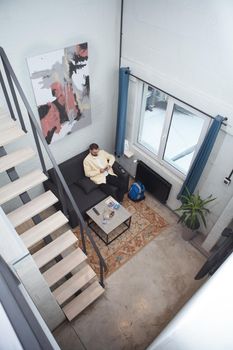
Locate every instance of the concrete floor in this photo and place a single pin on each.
(141, 297)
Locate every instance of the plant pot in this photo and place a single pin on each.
(191, 229)
(188, 234)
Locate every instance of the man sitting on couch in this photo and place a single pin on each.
(98, 167)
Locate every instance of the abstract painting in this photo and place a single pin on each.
(61, 85)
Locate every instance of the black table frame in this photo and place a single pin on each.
(127, 223)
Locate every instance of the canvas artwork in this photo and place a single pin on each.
(60, 81)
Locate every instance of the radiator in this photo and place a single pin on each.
(153, 182)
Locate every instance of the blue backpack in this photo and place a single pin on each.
(136, 192)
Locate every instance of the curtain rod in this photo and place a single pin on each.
(178, 99)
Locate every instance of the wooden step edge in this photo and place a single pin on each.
(74, 284)
(21, 185)
(43, 229)
(63, 267)
(78, 304)
(53, 249)
(32, 208)
(5, 114)
(7, 123)
(10, 135)
(15, 158)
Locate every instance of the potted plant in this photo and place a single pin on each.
(193, 210)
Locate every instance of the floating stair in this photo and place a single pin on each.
(79, 303)
(7, 123)
(15, 158)
(4, 114)
(55, 248)
(63, 267)
(75, 283)
(23, 184)
(83, 278)
(10, 134)
(32, 208)
(43, 229)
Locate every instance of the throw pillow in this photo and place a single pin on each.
(86, 185)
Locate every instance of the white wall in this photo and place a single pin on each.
(185, 48)
(28, 28)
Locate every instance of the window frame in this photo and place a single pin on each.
(171, 102)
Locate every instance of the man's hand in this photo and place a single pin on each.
(102, 170)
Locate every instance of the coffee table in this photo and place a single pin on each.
(109, 230)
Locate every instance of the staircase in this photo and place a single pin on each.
(63, 265)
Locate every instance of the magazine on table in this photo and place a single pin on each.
(112, 203)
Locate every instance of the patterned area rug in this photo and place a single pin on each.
(146, 224)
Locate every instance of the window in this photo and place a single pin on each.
(153, 117)
(170, 130)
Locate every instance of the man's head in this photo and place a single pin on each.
(94, 149)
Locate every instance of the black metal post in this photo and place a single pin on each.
(38, 147)
(102, 274)
(121, 33)
(8, 101)
(11, 85)
(83, 238)
(61, 195)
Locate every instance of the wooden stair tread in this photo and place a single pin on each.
(12, 159)
(75, 283)
(43, 229)
(7, 123)
(4, 114)
(21, 185)
(63, 267)
(32, 208)
(53, 249)
(78, 304)
(10, 134)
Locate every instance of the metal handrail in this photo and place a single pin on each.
(10, 73)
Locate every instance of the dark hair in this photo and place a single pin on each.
(93, 146)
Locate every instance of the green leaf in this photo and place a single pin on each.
(193, 208)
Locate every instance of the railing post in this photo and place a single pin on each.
(101, 274)
(83, 238)
(8, 101)
(61, 195)
(38, 146)
(11, 85)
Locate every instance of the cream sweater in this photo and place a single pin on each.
(92, 166)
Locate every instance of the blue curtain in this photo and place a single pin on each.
(200, 161)
(122, 110)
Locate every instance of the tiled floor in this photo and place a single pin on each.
(140, 297)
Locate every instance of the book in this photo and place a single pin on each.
(112, 203)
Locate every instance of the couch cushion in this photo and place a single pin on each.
(86, 201)
(72, 169)
(86, 184)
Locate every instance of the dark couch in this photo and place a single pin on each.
(84, 191)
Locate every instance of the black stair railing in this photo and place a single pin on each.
(38, 135)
